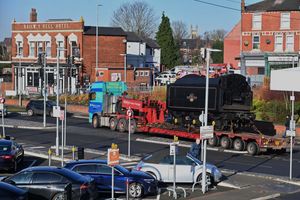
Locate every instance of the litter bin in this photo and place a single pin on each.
(80, 153)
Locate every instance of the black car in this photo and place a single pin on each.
(50, 183)
(10, 192)
(36, 107)
(11, 154)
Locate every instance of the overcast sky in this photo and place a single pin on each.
(207, 17)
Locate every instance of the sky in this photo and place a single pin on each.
(207, 17)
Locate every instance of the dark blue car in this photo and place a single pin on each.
(139, 183)
(11, 154)
(10, 192)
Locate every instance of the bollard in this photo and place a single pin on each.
(49, 156)
(80, 153)
(73, 152)
(127, 189)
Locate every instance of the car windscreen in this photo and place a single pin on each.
(5, 148)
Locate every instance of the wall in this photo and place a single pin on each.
(232, 46)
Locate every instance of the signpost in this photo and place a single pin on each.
(62, 118)
(129, 114)
(290, 83)
(201, 119)
(2, 101)
(113, 159)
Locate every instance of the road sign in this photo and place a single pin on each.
(173, 149)
(2, 100)
(129, 113)
(207, 132)
(201, 118)
(290, 133)
(113, 157)
(56, 111)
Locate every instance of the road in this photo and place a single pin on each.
(80, 133)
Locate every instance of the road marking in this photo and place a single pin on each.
(32, 163)
(188, 146)
(38, 147)
(229, 185)
(272, 196)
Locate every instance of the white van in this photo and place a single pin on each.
(165, 78)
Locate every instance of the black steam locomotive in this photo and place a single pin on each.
(229, 102)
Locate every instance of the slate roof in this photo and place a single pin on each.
(133, 37)
(274, 5)
(151, 43)
(106, 31)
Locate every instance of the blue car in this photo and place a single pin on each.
(139, 183)
(10, 192)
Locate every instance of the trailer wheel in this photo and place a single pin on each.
(133, 126)
(96, 121)
(226, 142)
(252, 148)
(238, 144)
(122, 125)
(215, 141)
(113, 122)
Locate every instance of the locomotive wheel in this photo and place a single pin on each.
(252, 148)
(226, 142)
(239, 144)
(215, 141)
(122, 125)
(96, 121)
(133, 126)
(113, 123)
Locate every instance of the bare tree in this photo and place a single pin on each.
(137, 17)
(218, 34)
(179, 30)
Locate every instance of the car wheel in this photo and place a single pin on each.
(113, 123)
(135, 190)
(215, 141)
(58, 196)
(30, 112)
(122, 125)
(209, 180)
(96, 122)
(152, 174)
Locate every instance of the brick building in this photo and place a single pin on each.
(74, 39)
(270, 37)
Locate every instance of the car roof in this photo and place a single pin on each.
(11, 188)
(7, 142)
(72, 163)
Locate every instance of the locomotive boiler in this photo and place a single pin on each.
(229, 101)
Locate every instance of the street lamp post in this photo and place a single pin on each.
(97, 42)
(45, 98)
(57, 100)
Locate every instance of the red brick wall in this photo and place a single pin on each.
(270, 22)
(110, 48)
(232, 45)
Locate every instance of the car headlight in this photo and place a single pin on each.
(150, 180)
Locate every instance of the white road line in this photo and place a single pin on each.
(38, 147)
(188, 146)
(229, 185)
(272, 196)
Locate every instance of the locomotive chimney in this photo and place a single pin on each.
(33, 15)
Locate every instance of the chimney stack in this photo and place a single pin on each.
(243, 5)
(33, 15)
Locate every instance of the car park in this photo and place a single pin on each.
(139, 183)
(11, 155)
(50, 183)
(10, 192)
(36, 107)
(189, 169)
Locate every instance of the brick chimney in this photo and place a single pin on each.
(33, 15)
(243, 5)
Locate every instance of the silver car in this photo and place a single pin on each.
(188, 169)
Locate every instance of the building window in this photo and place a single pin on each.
(141, 73)
(60, 44)
(39, 48)
(146, 73)
(20, 49)
(31, 49)
(261, 71)
(256, 21)
(290, 42)
(278, 43)
(48, 49)
(256, 42)
(285, 21)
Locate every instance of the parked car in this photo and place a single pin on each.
(140, 183)
(11, 155)
(165, 78)
(36, 107)
(189, 169)
(10, 192)
(49, 183)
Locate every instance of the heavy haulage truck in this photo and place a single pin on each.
(235, 126)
